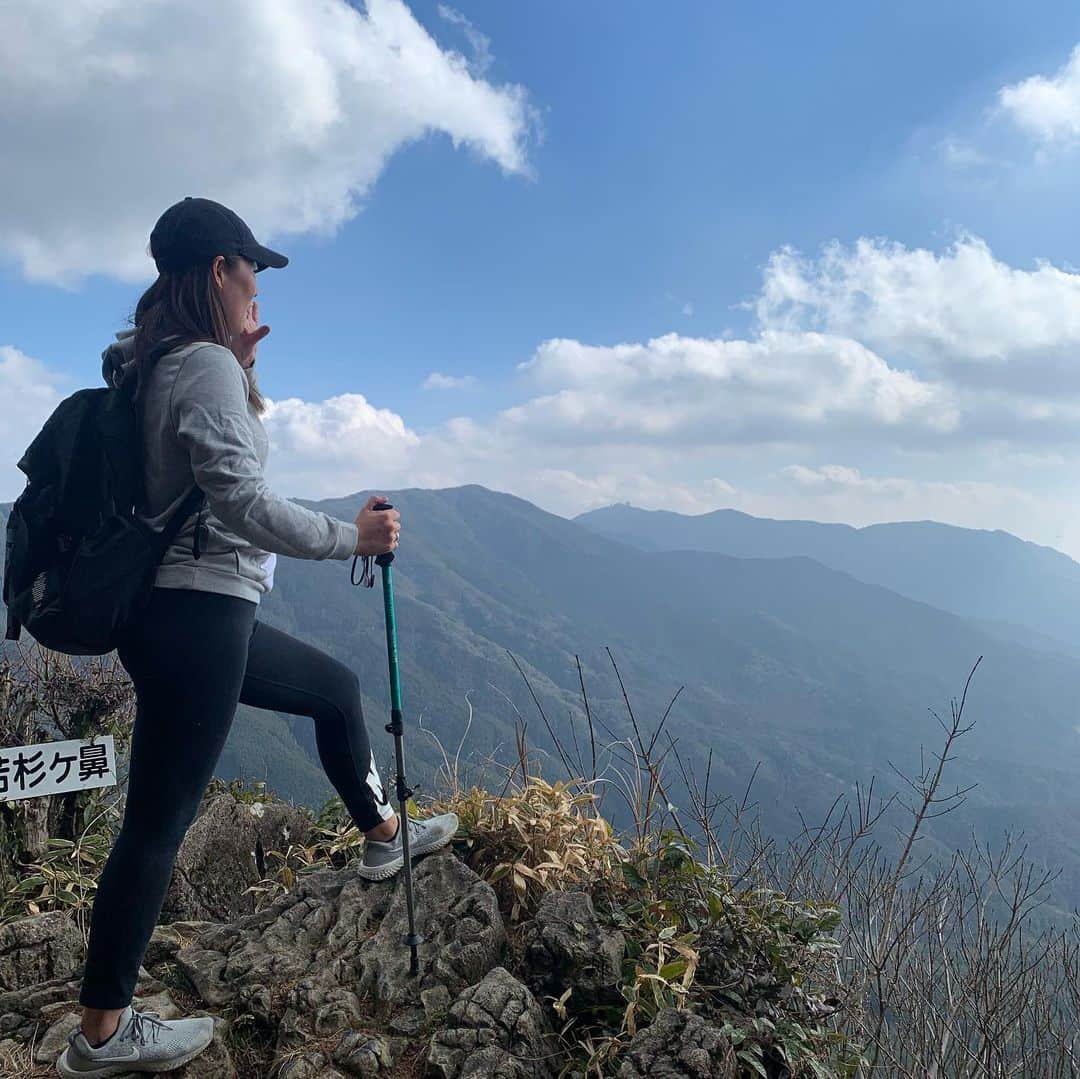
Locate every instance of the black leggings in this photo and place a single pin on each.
(192, 656)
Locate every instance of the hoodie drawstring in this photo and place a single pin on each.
(198, 530)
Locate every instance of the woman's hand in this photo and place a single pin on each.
(247, 340)
(378, 529)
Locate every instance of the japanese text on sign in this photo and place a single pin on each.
(56, 767)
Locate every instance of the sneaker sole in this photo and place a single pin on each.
(128, 1066)
(385, 872)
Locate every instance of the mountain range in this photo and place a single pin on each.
(815, 654)
(1016, 588)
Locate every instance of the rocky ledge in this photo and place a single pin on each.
(317, 985)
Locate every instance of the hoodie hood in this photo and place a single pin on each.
(118, 359)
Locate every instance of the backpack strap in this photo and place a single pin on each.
(191, 503)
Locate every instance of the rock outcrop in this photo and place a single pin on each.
(218, 860)
(679, 1045)
(495, 1028)
(39, 948)
(317, 985)
(329, 957)
(565, 945)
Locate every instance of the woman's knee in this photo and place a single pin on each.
(343, 693)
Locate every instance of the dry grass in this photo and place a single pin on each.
(542, 837)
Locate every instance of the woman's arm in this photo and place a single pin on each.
(208, 406)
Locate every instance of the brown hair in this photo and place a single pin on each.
(184, 305)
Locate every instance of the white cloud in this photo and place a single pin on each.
(30, 391)
(1048, 108)
(963, 315)
(841, 493)
(479, 42)
(285, 111)
(841, 478)
(438, 381)
(679, 391)
(325, 448)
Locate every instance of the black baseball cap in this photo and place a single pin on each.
(196, 230)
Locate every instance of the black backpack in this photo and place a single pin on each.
(78, 564)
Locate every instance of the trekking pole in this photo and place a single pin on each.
(413, 939)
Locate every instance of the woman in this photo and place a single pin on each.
(197, 649)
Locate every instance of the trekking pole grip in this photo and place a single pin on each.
(387, 556)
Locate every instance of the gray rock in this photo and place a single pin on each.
(495, 1063)
(167, 940)
(495, 1028)
(215, 863)
(565, 945)
(435, 1002)
(39, 948)
(458, 916)
(679, 1045)
(409, 1022)
(20, 1009)
(330, 955)
(300, 1065)
(363, 1054)
(55, 1038)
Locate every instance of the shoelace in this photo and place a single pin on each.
(153, 1023)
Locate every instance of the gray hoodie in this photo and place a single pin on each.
(199, 428)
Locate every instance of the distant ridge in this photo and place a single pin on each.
(1021, 588)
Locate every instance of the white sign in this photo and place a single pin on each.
(56, 767)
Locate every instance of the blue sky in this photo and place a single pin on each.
(667, 152)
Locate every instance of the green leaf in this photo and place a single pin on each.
(747, 1056)
(829, 921)
(674, 855)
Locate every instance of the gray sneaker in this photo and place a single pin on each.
(143, 1042)
(383, 860)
